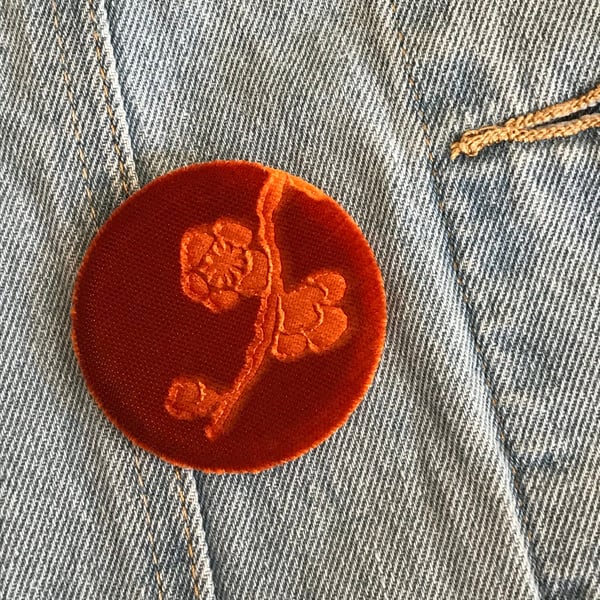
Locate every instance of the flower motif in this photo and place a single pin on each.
(218, 266)
(309, 320)
(220, 263)
(190, 398)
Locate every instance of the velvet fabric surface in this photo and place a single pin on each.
(228, 317)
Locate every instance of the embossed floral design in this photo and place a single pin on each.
(222, 262)
(219, 265)
(309, 320)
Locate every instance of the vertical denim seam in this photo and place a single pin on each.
(98, 41)
(469, 309)
(75, 122)
(148, 520)
(184, 501)
(84, 171)
(102, 70)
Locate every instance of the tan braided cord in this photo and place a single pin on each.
(532, 127)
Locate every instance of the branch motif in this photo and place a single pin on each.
(221, 263)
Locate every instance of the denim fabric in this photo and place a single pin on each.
(84, 514)
(471, 470)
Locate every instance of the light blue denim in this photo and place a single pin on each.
(472, 468)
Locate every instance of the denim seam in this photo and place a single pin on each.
(148, 520)
(98, 41)
(183, 501)
(102, 70)
(75, 122)
(84, 171)
(456, 268)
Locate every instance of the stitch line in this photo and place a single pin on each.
(106, 93)
(77, 134)
(187, 532)
(149, 528)
(75, 123)
(452, 247)
(112, 117)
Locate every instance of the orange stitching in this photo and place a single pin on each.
(106, 92)
(532, 127)
(73, 113)
(138, 469)
(85, 176)
(218, 266)
(188, 534)
(88, 192)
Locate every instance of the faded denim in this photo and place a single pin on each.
(472, 468)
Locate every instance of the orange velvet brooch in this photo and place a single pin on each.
(228, 317)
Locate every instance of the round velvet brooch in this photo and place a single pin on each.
(228, 317)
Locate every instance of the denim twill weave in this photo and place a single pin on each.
(471, 469)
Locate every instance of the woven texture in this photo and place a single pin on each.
(84, 513)
(471, 469)
(225, 387)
